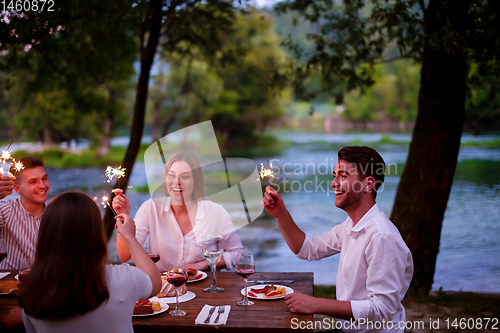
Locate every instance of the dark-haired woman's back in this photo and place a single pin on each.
(69, 287)
(126, 285)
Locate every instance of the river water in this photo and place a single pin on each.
(468, 259)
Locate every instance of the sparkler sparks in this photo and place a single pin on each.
(105, 203)
(7, 160)
(112, 172)
(18, 166)
(266, 172)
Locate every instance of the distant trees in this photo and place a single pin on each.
(240, 89)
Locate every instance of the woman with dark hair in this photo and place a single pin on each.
(177, 221)
(70, 287)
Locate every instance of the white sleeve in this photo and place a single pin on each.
(321, 246)
(232, 246)
(28, 326)
(390, 268)
(142, 220)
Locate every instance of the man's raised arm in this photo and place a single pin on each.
(274, 205)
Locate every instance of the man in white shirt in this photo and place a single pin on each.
(20, 218)
(375, 266)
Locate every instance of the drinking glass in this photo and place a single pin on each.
(177, 275)
(24, 268)
(245, 266)
(3, 250)
(151, 249)
(212, 250)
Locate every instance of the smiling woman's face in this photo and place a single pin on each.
(180, 182)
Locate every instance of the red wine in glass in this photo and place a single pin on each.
(155, 257)
(245, 273)
(177, 281)
(3, 255)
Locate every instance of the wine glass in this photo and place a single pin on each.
(245, 266)
(151, 249)
(3, 250)
(177, 275)
(24, 268)
(212, 250)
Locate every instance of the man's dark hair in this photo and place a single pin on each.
(367, 161)
(28, 163)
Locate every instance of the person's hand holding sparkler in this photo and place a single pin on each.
(121, 204)
(6, 185)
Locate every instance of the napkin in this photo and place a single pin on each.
(2, 275)
(200, 320)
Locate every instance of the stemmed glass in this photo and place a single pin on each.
(177, 275)
(212, 250)
(245, 266)
(151, 249)
(3, 250)
(24, 268)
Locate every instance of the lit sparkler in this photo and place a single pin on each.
(18, 165)
(266, 172)
(105, 203)
(111, 172)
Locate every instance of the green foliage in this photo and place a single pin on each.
(241, 89)
(59, 87)
(393, 96)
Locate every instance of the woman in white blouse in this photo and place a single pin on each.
(177, 221)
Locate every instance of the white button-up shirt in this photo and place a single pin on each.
(375, 270)
(156, 218)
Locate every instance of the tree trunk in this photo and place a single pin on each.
(147, 57)
(427, 177)
(105, 145)
(156, 121)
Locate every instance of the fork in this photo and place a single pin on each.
(221, 310)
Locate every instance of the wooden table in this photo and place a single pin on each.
(264, 316)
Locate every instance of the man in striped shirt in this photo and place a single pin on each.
(20, 218)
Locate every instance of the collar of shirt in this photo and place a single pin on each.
(354, 231)
(200, 210)
(18, 201)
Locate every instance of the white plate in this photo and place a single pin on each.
(203, 277)
(163, 303)
(288, 290)
(184, 298)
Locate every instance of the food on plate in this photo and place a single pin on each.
(156, 306)
(269, 291)
(9, 287)
(143, 307)
(168, 289)
(193, 274)
(275, 293)
(264, 290)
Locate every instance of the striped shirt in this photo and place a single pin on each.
(19, 230)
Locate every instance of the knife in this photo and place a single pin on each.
(209, 315)
(270, 281)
